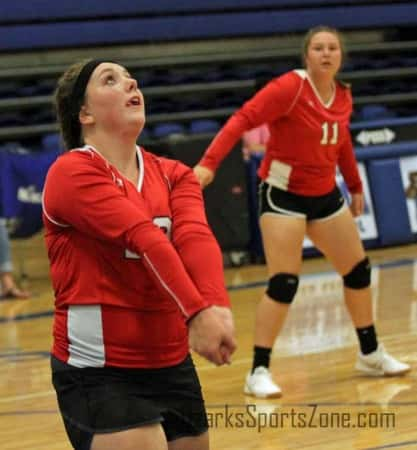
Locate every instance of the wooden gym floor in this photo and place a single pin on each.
(325, 406)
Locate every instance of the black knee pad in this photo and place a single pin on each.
(360, 276)
(282, 287)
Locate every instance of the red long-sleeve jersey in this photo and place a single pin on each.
(308, 138)
(129, 264)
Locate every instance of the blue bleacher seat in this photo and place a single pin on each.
(374, 112)
(11, 119)
(28, 90)
(228, 100)
(363, 88)
(41, 116)
(46, 87)
(282, 67)
(211, 75)
(348, 65)
(191, 104)
(406, 61)
(204, 126)
(165, 77)
(160, 106)
(167, 129)
(67, 23)
(8, 89)
(380, 63)
(243, 73)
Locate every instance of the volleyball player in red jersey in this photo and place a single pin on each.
(136, 271)
(308, 113)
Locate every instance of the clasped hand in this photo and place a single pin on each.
(211, 334)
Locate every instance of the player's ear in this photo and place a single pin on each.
(84, 116)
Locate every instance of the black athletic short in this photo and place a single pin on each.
(106, 400)
(278, 201)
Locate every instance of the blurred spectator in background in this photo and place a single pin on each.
(254, 140)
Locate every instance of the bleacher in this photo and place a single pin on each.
(48, 24)
(187, 88)
(197, 62)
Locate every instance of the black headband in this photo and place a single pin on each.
(77, 98)
(80, 85)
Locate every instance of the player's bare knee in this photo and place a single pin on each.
(360, 276)
(282, 287)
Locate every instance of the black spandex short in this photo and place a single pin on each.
(105, 400)
(278, 201)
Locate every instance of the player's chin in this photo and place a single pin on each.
(134, 125)
(138, 120)
(327, 68)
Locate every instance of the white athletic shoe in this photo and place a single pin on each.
(380, 363)
(260, 384)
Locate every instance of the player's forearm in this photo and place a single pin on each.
(203, 261)
(167, 270)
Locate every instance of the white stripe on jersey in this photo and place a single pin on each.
(85, 335)
(166, 287)
(50, 217)
(279, 174)
(141, 168)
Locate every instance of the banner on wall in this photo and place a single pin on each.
(408, 167)
(22, 176)
(366, 222)
(383, 132)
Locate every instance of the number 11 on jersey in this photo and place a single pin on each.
(334, 135)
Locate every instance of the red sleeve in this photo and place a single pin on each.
(270, 103)
(193, 238)
(80, 192)
(349, 167)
